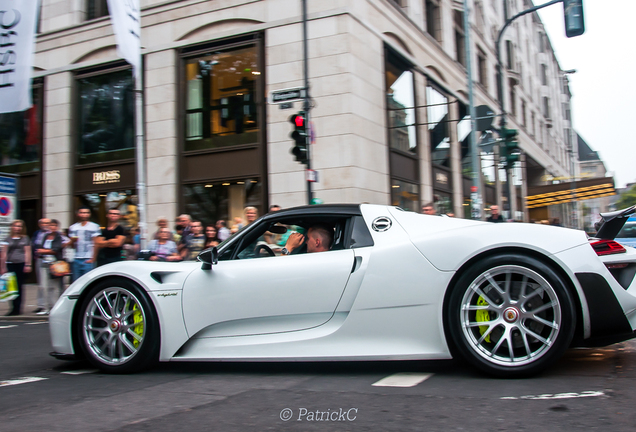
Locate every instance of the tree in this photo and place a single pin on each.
(627, 199)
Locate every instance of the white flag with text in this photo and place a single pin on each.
(126, 19)
(17, 44)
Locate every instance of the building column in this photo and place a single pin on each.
(57, 154)
(160, 99)
(424, 143)
(455, 159)
(524, 188)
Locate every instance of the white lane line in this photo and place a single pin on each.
(402, 379)
(80, 372)
(7, 326)
(558, 396)
(23, 380)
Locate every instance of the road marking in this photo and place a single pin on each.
(80, 372)
(558, 396)
(402, 379)
(7, 326)
(23, 380)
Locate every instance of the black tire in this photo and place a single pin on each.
(117, 327)
(510, 315)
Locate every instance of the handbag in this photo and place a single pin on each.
(8, 287)
(59, 268)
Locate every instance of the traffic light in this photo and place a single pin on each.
(299, 135)
(510, 149)
(573, 13)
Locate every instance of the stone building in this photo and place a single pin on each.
(388, 81)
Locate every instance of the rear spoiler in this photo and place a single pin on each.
(611, 223)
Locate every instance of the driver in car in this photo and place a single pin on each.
(319, 239)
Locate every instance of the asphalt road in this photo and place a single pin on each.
(589, 389)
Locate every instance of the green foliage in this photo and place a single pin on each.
(627, 199)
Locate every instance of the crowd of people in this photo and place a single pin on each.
(85, 245)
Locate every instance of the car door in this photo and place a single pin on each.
(266, 295)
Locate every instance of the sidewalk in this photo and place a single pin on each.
(29, 304)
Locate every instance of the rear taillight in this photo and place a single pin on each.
(607, 247)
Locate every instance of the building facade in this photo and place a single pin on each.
(388, 83)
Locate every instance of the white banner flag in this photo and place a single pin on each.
(17, 43)
(126, 19)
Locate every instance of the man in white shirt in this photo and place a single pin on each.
(82, 235)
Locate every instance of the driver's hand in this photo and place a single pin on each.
(294, 241)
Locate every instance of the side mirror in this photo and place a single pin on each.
(208, 257)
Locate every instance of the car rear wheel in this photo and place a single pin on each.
(118, 327)
(510, 315)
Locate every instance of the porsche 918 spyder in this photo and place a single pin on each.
(393, 285)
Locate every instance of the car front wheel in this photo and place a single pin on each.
(118, 327)
(510, 315)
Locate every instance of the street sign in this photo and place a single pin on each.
(8, 199)
(312, 175)
(286, 95)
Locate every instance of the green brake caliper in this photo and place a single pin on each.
(482, 316)
(139, 328)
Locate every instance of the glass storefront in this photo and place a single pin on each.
(405, 195)
(437, 110)
(106, 113)
(211, 201)
(99, 203)
(400, 100)
(221, 108)
(21, 137)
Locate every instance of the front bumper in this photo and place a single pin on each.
(60, 326)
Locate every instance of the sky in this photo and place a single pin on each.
(604, 86)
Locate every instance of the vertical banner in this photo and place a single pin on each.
(126, 19)
(17, 43)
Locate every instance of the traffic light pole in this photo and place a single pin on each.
(307, 103)
(500, 90)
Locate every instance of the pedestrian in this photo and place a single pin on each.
(109, 244)
(83, 234)
(428, 209)
(194, 243)
(274, 208)
(49, 249)
(162, 222)
(184, 222)
(495, 216)
(16, 257)
(162, 248)
(222, 232)
(211, 238)
(38, 239)
(251, 214)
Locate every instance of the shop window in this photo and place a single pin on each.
(405, 195)
(221, 108)
(400, 105)
(464, 128)
(106, 117)
(96, 9)
(21, 137)
(99, 204)
(437, 110)
(226, 200)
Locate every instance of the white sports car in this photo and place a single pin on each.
(394, 285)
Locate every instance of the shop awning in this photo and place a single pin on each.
(542, 196)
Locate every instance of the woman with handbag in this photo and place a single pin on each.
(49, 250)
(16, 258)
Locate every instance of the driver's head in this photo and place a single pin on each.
(319, 238)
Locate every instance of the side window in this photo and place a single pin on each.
(360, 235)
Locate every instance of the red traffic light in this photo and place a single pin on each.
(299, 121)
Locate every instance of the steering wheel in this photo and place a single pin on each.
(263, 247)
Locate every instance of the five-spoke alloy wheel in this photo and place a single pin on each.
(117, 327)
(510, 315)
